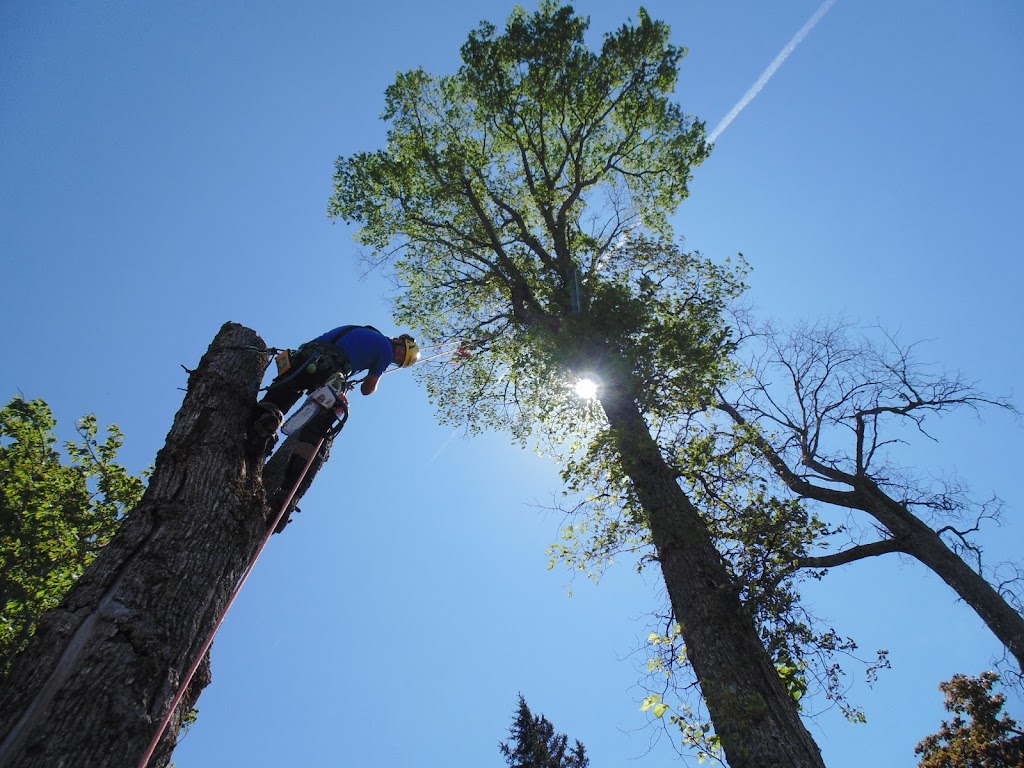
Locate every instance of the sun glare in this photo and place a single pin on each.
(586, 389)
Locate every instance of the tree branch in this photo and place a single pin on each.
(859, 552)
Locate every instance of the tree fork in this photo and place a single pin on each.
(104, 666)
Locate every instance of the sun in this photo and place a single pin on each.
(586, 389)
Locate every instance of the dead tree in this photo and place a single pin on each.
(825, 409)
(104, 667)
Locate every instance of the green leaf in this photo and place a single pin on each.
(56, 511)
(649, 702)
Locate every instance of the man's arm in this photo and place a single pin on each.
(369, 385)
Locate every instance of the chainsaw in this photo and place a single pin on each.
(330, 397)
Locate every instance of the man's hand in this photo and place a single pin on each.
(369, 385)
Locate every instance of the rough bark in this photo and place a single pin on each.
(103, 668)
(756, 719)
(169, 741)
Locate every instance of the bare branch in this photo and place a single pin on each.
(860, 552)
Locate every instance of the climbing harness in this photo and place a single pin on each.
(290, 363)
(283, 361)
(340, 407)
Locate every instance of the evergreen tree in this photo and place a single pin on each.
(533, 743)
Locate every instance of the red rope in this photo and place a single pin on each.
(231, 600)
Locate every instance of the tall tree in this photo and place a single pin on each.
(533, 743)
(104, 667)
(827, 408)
(56, 512)
(523, 204)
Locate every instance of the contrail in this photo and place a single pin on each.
(772, 68)
(443, 446)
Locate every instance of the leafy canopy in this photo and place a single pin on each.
(56, 512)
(982, 739)
(523, 205)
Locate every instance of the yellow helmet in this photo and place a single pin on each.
(412, 350)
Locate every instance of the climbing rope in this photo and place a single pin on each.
(234, 594)
(456, 351)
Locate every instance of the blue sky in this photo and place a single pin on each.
(165, 167)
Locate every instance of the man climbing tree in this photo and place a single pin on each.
(523, 202)
(345, 350)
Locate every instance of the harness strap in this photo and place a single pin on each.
(345, 329)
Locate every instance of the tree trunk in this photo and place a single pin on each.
(96, 680)
(754, 715)
(169, 741)
(917, 539)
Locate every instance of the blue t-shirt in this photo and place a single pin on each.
(368, 350)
